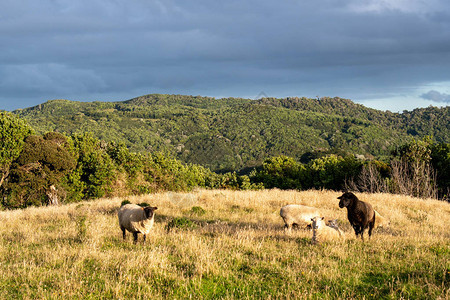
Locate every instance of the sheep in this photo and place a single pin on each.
(381, 221)
(322, 231)
(296, 214)
(136, 219)
(359, 213)
(333, 224)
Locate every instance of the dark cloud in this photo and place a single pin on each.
(103, 50)
(436, 96)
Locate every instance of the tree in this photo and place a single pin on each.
(412, 172)
(38, 175)
(95, 170)
(440, 159)
(13, 131)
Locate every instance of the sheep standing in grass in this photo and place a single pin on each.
(360, 214)
(323, 232)
(136, 219)
(296, 214)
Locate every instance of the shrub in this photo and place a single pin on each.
(197, 210)
(13, 131)
(181, 223)
(39, 171)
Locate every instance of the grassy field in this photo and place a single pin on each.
(224, 245)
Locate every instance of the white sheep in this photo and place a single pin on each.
(296, 214)
(136, 219)
(322, 232)
(381, 221)
(333, 224)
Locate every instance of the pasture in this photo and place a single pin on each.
(221, 244)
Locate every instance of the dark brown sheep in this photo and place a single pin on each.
(360, 214)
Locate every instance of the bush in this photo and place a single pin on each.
(197, 210)
(181, 223)
(39, 171)
(329, 172)
(13, 131)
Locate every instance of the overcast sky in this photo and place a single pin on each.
(386, 54)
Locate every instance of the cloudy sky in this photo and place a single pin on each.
(386, 54)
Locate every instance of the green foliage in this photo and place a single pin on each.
(282, 172)
(198, 210)
(156, 143)
(13, 131)
(415, 150)
(412, 172)
(232, 180)
(231, 134)
(132, 163)
(440, 159)
(95, 166)
(180, 223)
(423, 155)
(44, 162)
(124, 202)
(170, 174)
(329, 172)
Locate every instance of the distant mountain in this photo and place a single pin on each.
(234, 133)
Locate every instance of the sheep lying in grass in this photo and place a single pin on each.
(296, 214)
(381, 221)
(360, 214)
(136, 219)
(333, 224)
(323, 232)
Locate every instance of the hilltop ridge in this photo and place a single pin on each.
(235, 133)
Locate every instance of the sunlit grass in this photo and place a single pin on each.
(234, 246)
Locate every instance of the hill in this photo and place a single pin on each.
(234, 133)
(224, 245)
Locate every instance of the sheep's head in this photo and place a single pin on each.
(346, 199)
(317, 222)
(149, 211)
(333, 223)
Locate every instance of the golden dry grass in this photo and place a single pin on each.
(236, 248)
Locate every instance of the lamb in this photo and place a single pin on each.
(322, 231)
(296, 214)
(360, 214)
(333, 224)
(136, 219)
(381, 221)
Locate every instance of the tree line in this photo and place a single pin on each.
(51, 168)
(419, 168)
(232, 133)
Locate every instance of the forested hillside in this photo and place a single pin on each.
(232, 133)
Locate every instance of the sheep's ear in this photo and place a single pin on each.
(155, 208)
(323, 218)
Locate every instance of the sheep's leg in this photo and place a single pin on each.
(144, 237)
(356, 229)
(135, 237)
(371, 226)
(123, 232)
(287, 227)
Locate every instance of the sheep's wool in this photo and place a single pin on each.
(132, 218)
(323, 232)
(298, 214)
